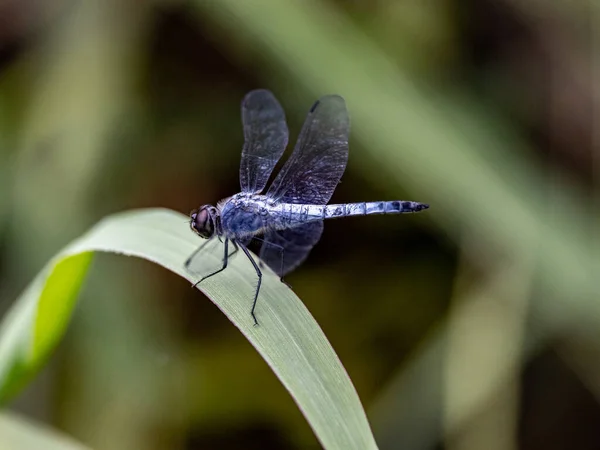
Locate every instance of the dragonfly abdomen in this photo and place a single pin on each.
(286, 215)
(367, 208)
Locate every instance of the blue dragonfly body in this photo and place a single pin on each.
(290, 215)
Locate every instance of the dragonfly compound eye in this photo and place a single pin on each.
(202, 222)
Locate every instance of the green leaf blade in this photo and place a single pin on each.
(288, 338)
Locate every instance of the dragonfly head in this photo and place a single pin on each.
(203, 221)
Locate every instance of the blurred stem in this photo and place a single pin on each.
(485, 339)
(407, 414)
(84, 66)
(480, 347)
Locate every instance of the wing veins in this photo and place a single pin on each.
(265, 139)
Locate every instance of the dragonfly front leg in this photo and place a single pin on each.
(225, 258)
(198, 250)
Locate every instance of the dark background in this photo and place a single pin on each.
(471, 326)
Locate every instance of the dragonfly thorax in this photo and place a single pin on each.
(204, 221)
(244, 215)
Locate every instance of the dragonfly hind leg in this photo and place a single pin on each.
(281, 250)
(235, 248)
(259, 275)
(225, 259)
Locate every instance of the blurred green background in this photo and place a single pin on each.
(471, 326)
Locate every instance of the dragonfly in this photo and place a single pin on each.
(288, 218)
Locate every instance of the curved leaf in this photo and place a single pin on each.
(288, 337)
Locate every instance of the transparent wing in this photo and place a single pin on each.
(319, 159)
(265, 139)
(310, 175)
(285, 250)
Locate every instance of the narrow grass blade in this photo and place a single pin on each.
(288, 337)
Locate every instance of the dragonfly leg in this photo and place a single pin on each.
(225, 258)
(259, 274)
(235, 248)
(281, 252)
(198, 250)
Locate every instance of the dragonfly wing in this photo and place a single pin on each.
(285, 250)
(309, 176)
(319, 159)
(265, 139)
